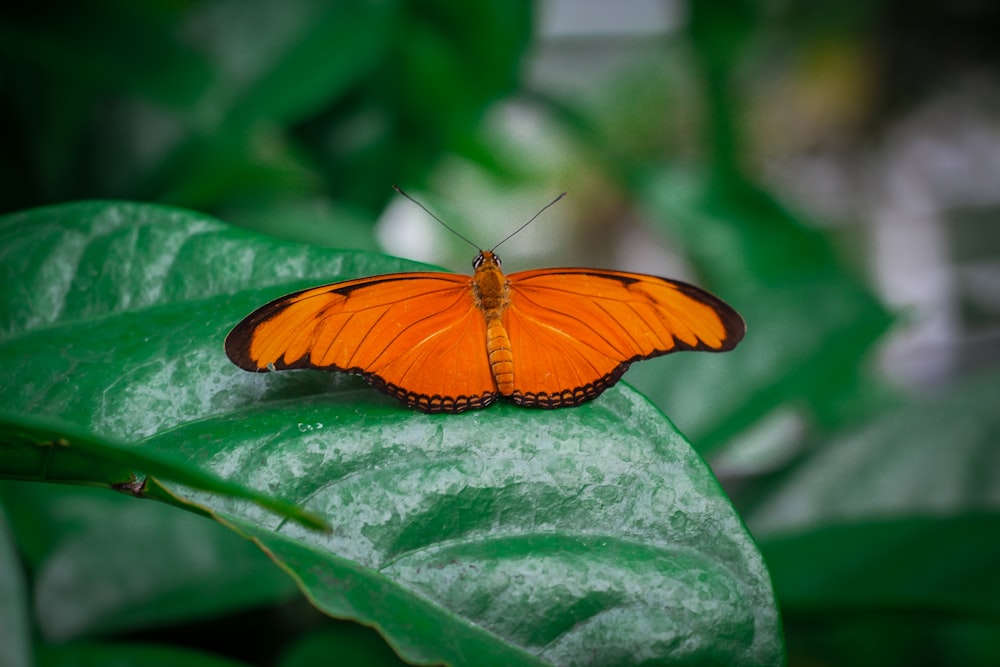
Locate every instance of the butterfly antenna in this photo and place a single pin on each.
(427, 211)
(528, 222)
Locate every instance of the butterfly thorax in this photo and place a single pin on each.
(490, 290)
(489, 284)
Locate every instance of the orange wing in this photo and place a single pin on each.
(574, 332)
(394, 330)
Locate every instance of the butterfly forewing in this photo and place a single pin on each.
(417, 336)
(574, 332)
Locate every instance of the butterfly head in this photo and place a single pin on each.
(486, 258)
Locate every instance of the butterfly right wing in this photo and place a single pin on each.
(574, 332)
(416, 336)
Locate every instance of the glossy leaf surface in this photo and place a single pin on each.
(505, 535)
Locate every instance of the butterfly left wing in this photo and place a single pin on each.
(574, 332)
(416, 336)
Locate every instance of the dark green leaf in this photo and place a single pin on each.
(942, 564)
(15, 626)
(305, 54)
(31, 448)
(104, 562)
(932, 458)
(353, 644)
(127, 655)
(900, 514)
(557, 531)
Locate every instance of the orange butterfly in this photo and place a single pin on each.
(443, 342)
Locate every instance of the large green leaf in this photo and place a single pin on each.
(498, 536)
(561, 533)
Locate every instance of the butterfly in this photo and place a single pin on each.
(445, 342)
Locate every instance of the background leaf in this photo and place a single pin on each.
(903, 512)
(104, 563)
(94, 653)
(15, 632)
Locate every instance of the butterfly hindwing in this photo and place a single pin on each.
(394, 330)
(574, 332)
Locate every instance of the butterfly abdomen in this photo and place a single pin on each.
(501, 359)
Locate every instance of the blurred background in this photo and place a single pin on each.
(832, 170)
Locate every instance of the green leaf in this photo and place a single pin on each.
(49, 451)
(350, 642)
(559, 531)
(497, 536)
(902, 513)
(306, 54)
(943, 564)
(931, 458)
(104, 562)
(15, 628)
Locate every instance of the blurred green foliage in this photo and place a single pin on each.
(257, 106)
(877, 512)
